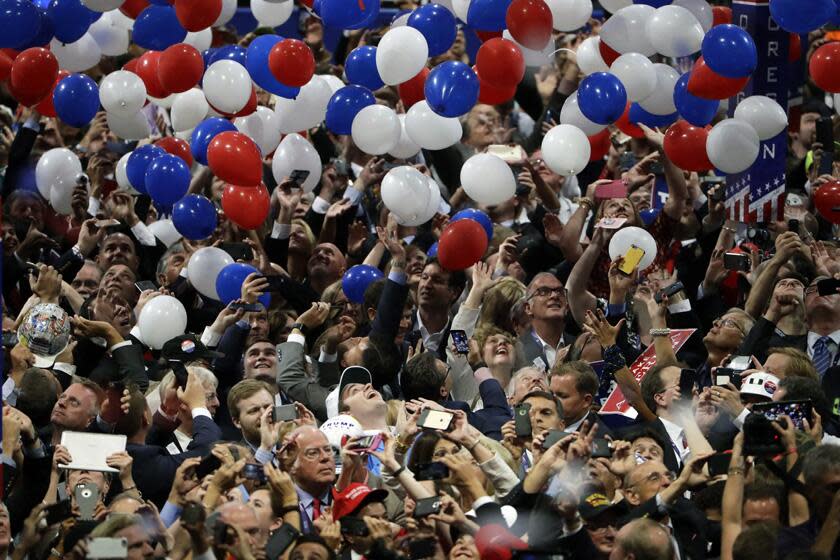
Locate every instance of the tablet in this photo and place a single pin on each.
(89, 450)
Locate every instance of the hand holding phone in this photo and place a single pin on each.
(630, 261)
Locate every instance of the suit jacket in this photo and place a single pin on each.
(496, 411)
(299, 385)
(530, 352)
(154, 468)
(688, 521)
(124, 364)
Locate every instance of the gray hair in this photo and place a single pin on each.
(511, 388)
(115, 523)
(205, 376)
(164, 260)
(819, 461)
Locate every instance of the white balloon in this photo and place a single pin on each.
(488, 179)
(161, 319)
(164, 102)
(227, 13)
(188, 109)
(405, 192)
(227, 86)
(271, 14)
(626, 30)
(406, 147)
(307, 110)
(295, 152)
(764, 114)
(532, 57)
(589, 58)
(633, 236)
(566, 150)
(431, 207)
(701, 10)
(201, 40)
(129, 127)
(429, 130)
(53, 166)
(78, 56)
(261, 126)
(570, 15)
(61, 196)
(165, 231)
(334, 82)
(401, 20)
(122, 93)
(102, 5)
(732, 146)
(112, 39)
(120, 173)
(203, 268)
(637, 73)
(401, 55)
(571, 114)
(461, 8)
(376, 130)
(121, 20)
(612, 6)
(674, 31)
(661, 101)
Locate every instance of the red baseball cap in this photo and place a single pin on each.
(354, 497)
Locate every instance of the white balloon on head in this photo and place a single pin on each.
(201, 40)
(112, 39)
(307, 110)
(631, 236)
(406, 147)
(532, 57)
(376, 130)
(102, 5)
(429, 130)
(764, 114)
(263, 127)
(589, 58)
(204, 267)
(165, 231)
(122, 93)
(566, 150)
(405, 192)
(227, 13)
(227, 86)
(732, 146)
(571, 114)
(626, 30)
(637, 73)
(161, 319)
(78, 56)
(488, 179)
(569, 15)
(701, 10)
(271, 14)
(129, 127)
(188, 109)
(674, 31)
(120, 172)
(54, 165)
(661, 101)
(295, 152)
(401, 54)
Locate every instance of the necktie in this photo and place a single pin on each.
(822, 356)
(316, 509)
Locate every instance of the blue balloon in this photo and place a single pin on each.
(229, 52)
(70, 19)
(432, 252)
(256, 62)
(437, 24)
(204, 133)
(478, 216)
(654, 3)
(488, 15)
(347, 14)
(371, 18)
(344, 105)
(356, 280)
(696, 110)
(194, 216)
(649, 216)
(451, 89)
(360, 68)
(797, 16)
(157, 27)
(138, 162)
(167, 179)
(76, 100)
(602, 97)
(46, 31)
(19, 21)
(638, 115)
(229, 283)
(730, 51)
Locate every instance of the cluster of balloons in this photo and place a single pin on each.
(464, 240)
(413, 198)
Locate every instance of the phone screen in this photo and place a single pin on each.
(459, 338)
(798, 411)
(631, 260)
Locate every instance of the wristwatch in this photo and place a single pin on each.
(301, 327)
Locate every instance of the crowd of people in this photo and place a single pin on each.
(448, 413)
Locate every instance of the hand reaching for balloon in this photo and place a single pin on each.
(356, 238)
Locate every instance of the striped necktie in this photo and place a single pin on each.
(822, 355)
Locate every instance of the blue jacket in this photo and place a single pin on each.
(495, 413)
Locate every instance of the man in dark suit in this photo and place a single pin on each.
(576, 385)
(546, 307)
(439, 289)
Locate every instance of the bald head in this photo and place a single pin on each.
(642, 539)
(325, 266)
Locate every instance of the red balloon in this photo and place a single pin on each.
(500, 63)
(195, 15)
(247, 207)
(485, 36)
(413, 90)
(825, 67)
(180, 68)
(147, 68)
(33, 75)
(708, 84)
(493, 95)
(600, 145)
(235, 158)
(132, 8)
(795, 51)
(461, 245)
(685, 146)
(630, 129)
(46, 107)
(607, 52)
(5, 65)
(827, 201)
(530, 23)
(721, 15)
(307, 3)
(176, 147)
(291, 61)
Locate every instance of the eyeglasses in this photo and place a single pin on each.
(546, 292)
(727, 323)
(315, 453)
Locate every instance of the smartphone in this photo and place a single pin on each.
(631, 260)
(615, 189)
(522, 420)
(426, 507)
(461, 342)
(366, 444)
(509, 153)
(10, 339)
(87, 496)
(104, 547)
(435, 419)
(719, 463)
(280, 540)
(58, 512)
(180, 372)
(144, 285)
(275, 282)
(284, 413)
(353, 526)
(707, 183)
(793, 225)
(668, 292)
(825, 287)
(221, 535)
(193, 513)
(825, 136)
(798, 411)
(254, 471)
(618, 139)
(553, 437)
(687, 379)
(299, 176)
(248, 307)
(341, 167)
(736, 261)
(431, 471)
(422, 548)
(725, 376)
(601, 448)
(208, 465)
(611, 223)
(238, 251)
